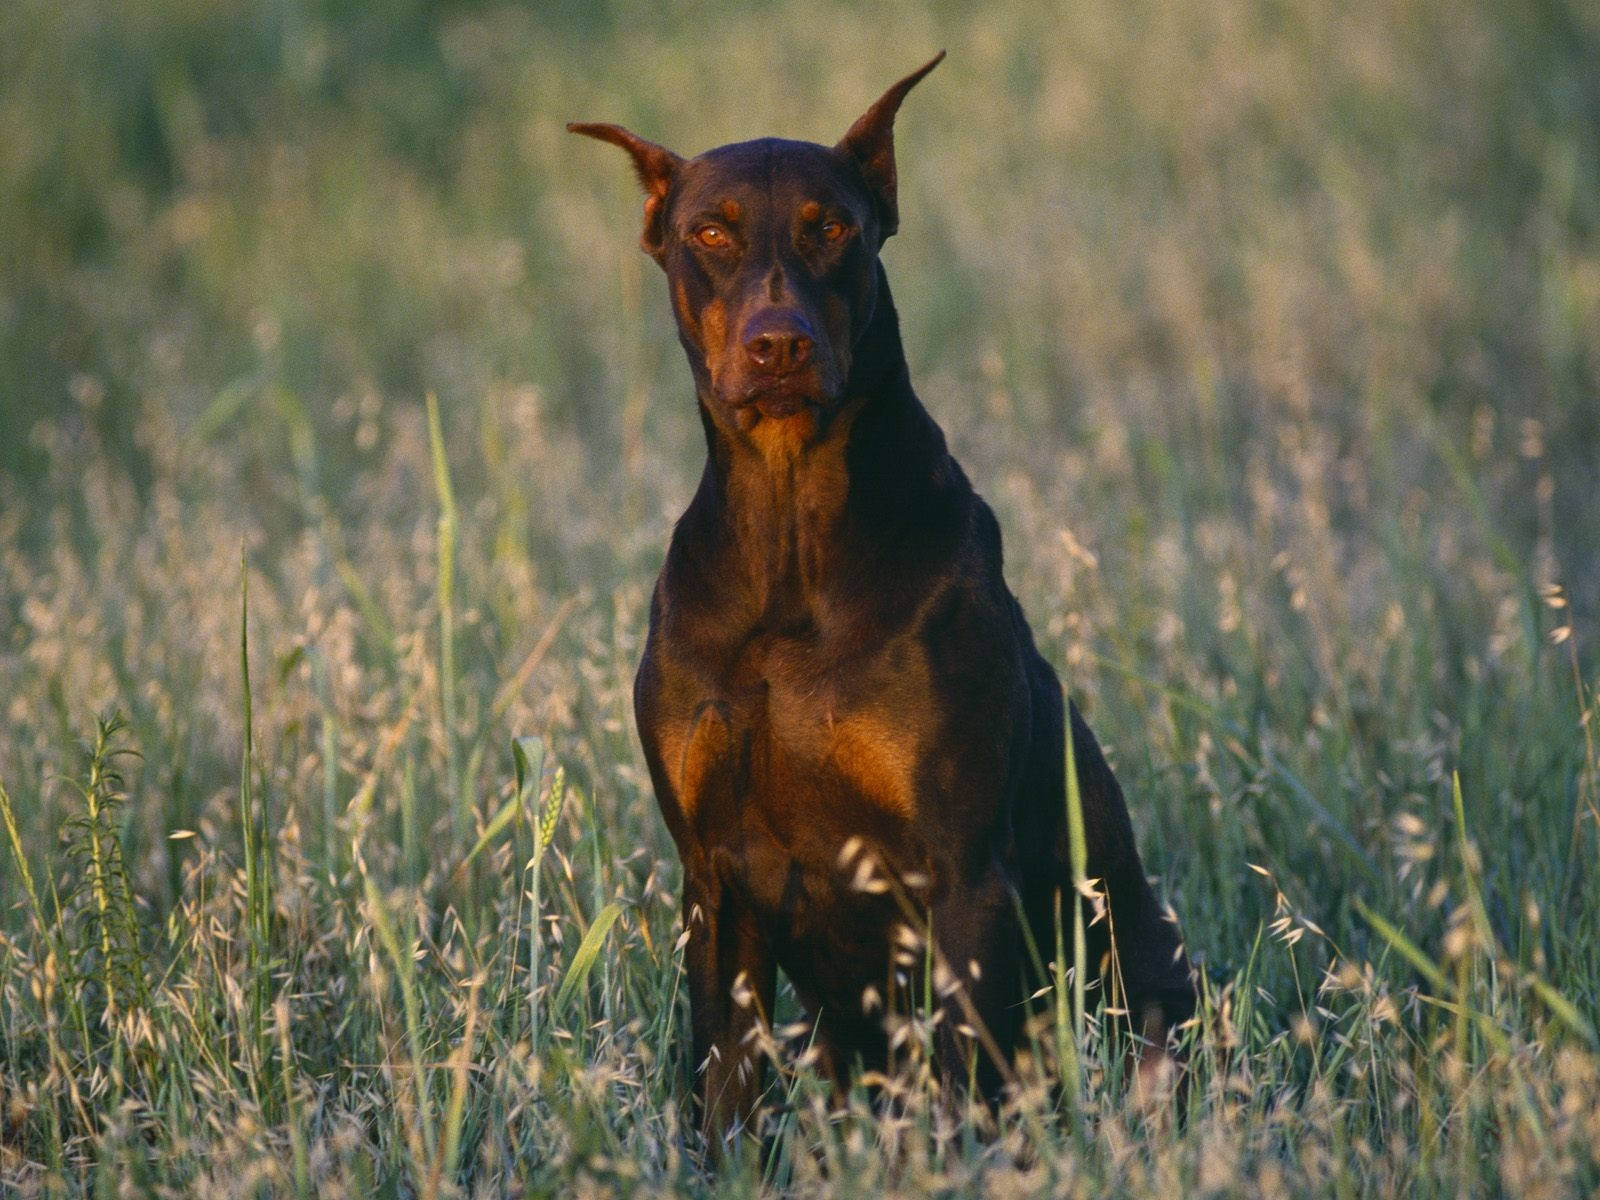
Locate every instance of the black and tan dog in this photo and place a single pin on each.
(836, 671)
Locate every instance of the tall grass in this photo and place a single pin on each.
(1270, 334)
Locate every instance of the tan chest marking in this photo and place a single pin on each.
(697, 754)
(779, 440)
(878, 759)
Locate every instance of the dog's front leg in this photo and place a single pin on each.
(1151, 975)
(975, 976)
(732, 977)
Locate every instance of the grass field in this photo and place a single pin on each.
(1271, 331)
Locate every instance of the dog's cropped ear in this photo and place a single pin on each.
(656, 167)
(871, 143)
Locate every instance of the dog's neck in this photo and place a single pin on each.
(786, 492)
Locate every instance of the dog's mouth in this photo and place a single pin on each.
(785, 397)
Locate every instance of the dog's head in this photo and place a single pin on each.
(770, 249)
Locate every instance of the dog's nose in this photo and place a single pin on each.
(778, 343)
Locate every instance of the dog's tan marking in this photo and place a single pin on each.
(671, 738)
(780, 439)
(705, 749)
(879, 759)
(810, 211)
(686, 313)
(714, 331)
(731, 211)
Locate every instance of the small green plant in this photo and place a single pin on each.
(528, 756)
(107, 945)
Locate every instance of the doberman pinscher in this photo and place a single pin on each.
(840, 701)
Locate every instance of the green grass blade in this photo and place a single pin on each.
(588, 953)
(1406, 948)
(506, 814)
(1563, 1009)
(15, 838)
(447, 635)
(1078, 853)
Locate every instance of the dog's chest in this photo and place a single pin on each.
(835, 714)
(825, 742)
(806, 737)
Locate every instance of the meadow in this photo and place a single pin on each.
(342, 427)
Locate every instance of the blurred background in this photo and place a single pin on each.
(1271, 330)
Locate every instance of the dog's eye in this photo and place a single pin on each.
(833, 231)
(712, 237)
